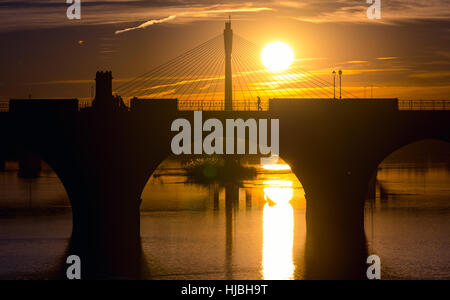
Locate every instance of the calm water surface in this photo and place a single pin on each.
(186, 233)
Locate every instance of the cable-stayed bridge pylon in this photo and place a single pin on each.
(226, 73)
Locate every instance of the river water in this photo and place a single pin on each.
(186, 233)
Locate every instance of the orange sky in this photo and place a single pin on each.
(406, 54)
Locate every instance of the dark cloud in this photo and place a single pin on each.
(43, 14)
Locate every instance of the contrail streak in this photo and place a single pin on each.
(146, 24)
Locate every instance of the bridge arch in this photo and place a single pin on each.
(399, 148)
(23, 145)
(404, 144)
(177, 163)
(267, 233)
(407, 201)
(35, 193)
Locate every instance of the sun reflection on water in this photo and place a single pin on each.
(278, 231)
(277, 167)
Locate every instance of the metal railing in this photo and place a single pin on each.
(424, 105)
(219, 105)
(4, 106)
(82, 103)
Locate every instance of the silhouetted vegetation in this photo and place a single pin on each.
(217, 170)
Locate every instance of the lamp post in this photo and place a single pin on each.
(334, 85)
(340, 84)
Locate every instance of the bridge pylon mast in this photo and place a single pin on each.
(228, 38)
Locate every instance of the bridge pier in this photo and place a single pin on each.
(336, 245)
(106, 232)
(106, 200)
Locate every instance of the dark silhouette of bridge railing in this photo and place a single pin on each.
(4, 106)
(82, 103)
(254, 105)
(219, 105)
(423, 105)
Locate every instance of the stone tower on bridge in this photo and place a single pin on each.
(104, 99)
(103, 89)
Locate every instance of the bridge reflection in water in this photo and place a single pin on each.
(188, 241)
(258, 239)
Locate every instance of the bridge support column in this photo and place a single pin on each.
(104, 185)
(335, 246)
(106, 234)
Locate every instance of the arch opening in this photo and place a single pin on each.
(212, 219)
(35, 217)
(407, 211)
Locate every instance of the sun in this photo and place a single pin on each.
(277, 56)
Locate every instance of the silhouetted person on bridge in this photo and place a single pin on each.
(259, 104)
(118, 103)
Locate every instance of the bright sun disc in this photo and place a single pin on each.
(277, 56)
